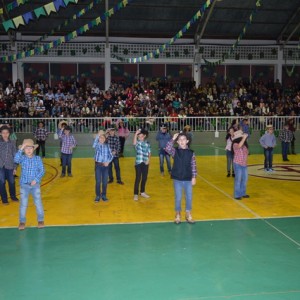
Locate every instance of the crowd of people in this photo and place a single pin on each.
(157, 98)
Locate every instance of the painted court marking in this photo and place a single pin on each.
(251, 211)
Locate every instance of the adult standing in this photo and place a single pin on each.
(123, 134)
(240, 158)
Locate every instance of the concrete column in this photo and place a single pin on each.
(278, 67)
(107, 68)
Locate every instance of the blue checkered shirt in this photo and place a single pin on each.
(143, 151)
(102, 152)
(67, 141)
(32, 168)
(114, 144)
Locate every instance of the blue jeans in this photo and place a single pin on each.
(6, 174)
(285, 149)
(240, 180)
(268, 158)
(66, 163)
(179, 186)
(162, 156)
(229, 156)
(101, 176)
(116, 164)
(35, 191)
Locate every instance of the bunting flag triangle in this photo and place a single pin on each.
(58, 4)
(8, 25)
(18, 21)
(27, 17)
(1, 11)
(39, 12)
(50, 8)
(69, 1)
(98, 21)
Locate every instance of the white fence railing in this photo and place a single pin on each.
(92, 125)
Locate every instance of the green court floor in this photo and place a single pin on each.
(238, 259)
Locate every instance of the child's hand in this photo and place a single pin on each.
(105, 164)
(147, 162)
(175, 136)
(33, 182)
(193, 181)
(138, 131)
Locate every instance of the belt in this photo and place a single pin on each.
(99, 163)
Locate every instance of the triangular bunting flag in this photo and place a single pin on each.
(98, 21)
(58, 4)
(39, 12)
(50, 8)
(27, 17)
(69, 1)
(18, 21)
(8, 25)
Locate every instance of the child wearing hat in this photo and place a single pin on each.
(32, 171)
(68, 143)
(268, 142)
(240, 159)
(103, 157)
(7, 165)
(184, 174)
(41, 134)
(142, 159)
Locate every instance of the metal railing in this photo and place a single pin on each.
(200, 124)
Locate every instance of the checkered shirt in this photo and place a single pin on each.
(67, 141)
(143, 151)
(41, 134)
(114, 144)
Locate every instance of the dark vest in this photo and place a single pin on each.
(182, 165)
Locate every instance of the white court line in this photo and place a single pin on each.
(250, 211)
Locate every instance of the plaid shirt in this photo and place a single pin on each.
(102, 152)
(41, 134)
(240, 155)
(114, 144)
(171, 150)
(67, 141)
(7, 154)
(32, 168)
(143, 151)
(286, 135)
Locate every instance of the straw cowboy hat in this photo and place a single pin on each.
(269, 126)
(63, 122)
(28, 143)
(238, 134)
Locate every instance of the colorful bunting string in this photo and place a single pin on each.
(44, 10)
(65, 23)
(10, 6)
(240, 37)
(68, 37)
(162, 48)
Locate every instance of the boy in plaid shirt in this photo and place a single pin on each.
(114, 145)
(68, 143)
(41, 135)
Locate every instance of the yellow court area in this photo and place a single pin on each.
(70, 201)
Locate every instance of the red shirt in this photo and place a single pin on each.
(240, 155)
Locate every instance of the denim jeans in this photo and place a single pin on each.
(141, 174)
(66, 162)
(6, 174)
(179, 186)
(162, 157)
(285, 149)
(229, 156)
(240, 180)
(101, 176)
(122, 143)
(268, 158)
(35, 191)
(116, 164)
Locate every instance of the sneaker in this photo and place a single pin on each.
(144, 195)
(246, 196)
(233, 175)
(189, 219)
(62, 175)
(177, 219)
(5, 203)
(41, 224)
(110, 181)
(120, 182)
(266, 170)
(70, 175)
(136, 197)
(97, 199)
(104, 198)
(228, 174)
(15, 199)
(271, 170)
(21, 226)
